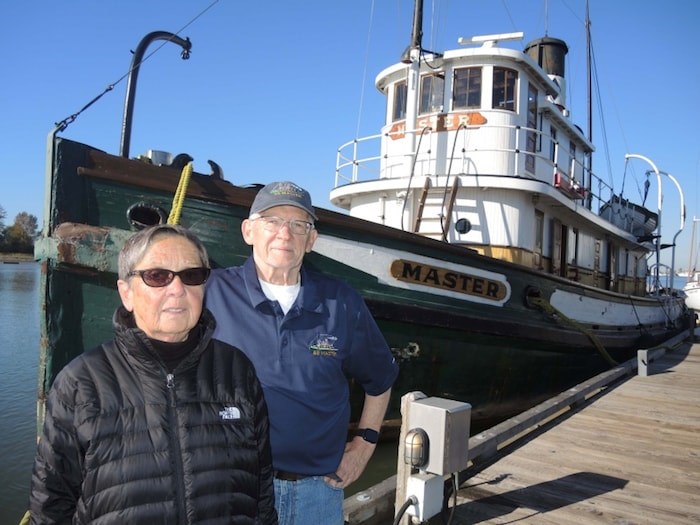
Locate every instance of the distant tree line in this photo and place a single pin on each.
(19, 236)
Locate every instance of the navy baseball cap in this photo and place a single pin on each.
(282, 193)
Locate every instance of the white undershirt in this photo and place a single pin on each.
(284, 294)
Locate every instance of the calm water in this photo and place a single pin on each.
(19, 352)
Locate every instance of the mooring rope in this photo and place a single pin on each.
(547, 307)
(180, 193)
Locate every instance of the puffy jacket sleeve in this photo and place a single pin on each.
(56, 476)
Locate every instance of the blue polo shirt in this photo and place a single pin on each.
(303, 359)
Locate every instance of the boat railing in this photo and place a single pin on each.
(661, 280)
(349, 158)
(384, 155)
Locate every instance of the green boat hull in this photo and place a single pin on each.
(502, 358)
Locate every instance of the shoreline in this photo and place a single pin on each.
(16, 257)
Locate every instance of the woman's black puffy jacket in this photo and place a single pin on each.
(125, 442)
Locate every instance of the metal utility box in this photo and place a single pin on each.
(429, 491)
(447, 424)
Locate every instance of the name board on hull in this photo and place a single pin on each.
(444, 279)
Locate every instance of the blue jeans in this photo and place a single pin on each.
(309, 501)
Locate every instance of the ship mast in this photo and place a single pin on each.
(691, 258)
(589, 81)
(589, 94)
(411, 56)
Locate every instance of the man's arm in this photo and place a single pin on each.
(358, 451)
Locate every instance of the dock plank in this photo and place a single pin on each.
(630, 456)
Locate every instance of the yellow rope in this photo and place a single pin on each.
(180, 193)
(554, 313)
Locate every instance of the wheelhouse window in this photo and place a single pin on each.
(432, 89)
(531, 137)
(400, 94)
(504, 82)
(466, 91)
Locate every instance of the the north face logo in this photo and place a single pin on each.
(230, 413)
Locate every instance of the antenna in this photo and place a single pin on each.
(490, 40)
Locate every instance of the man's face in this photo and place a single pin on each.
(280, 252)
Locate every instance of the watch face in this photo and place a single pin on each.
(369, 435)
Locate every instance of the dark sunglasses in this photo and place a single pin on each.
(159, 277)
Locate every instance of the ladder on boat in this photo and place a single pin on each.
(446, 197)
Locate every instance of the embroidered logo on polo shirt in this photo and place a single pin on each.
(324, 345)
(230, 413)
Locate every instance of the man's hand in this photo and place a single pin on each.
(358, 451)
(355, 458)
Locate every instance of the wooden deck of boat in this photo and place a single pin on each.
(629, 457)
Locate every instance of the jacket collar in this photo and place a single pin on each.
(136, 344)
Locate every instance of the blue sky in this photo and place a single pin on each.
(273, 87)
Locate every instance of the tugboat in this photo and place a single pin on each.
(501, 269)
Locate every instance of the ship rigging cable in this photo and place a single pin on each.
(63, 124)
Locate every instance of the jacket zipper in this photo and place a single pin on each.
(177, 452)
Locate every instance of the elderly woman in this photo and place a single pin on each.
(163, 424)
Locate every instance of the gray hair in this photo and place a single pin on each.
(137, 245)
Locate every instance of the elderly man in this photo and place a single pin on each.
(305, 333)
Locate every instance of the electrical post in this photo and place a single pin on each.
(434, 443)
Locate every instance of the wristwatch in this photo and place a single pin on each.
(368, 434)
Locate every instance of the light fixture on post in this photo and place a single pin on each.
(416, 446)
(406, 56)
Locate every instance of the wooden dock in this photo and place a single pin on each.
(626, 455)
(631, 456)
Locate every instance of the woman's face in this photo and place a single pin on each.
(166, 313)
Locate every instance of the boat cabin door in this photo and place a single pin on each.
(560, 234)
